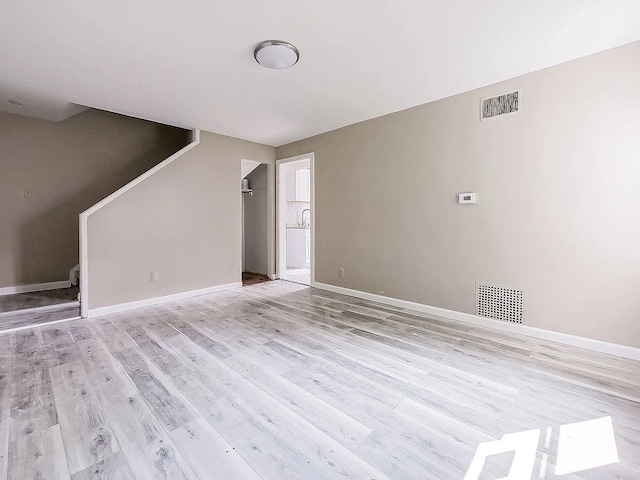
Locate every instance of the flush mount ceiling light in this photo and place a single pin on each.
(276, 54)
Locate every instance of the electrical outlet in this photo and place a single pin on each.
(341, 272)
(154, 276)
(27, 193)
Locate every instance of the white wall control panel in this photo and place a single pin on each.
(467, 198)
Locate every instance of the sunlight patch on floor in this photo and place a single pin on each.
(586, 445)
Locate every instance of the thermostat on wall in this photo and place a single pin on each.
(467, 198)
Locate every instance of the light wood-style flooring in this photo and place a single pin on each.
(280, 381)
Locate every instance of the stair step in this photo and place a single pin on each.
(39, 315)
(28, 300)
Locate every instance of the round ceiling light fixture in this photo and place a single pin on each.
(276, 54)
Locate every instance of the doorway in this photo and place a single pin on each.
(256, 263)
(295, 219)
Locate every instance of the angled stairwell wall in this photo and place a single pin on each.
(182, 219)
(67, 166)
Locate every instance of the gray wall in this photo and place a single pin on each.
(70, 166)
(184, 221)
(559, 199)
(255, 223)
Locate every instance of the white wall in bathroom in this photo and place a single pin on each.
(295, 208)
(291, 177)
(296, 238)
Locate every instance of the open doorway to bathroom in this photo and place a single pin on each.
(295, 219)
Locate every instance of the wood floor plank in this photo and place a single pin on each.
(339, 426)
(166, 405)
(422, 373)
(39, 455)
(207, 452)
(149, 451)
(115, 338)
(114, 467)
(109, 381)
(215, 348)
(409, 445)
(327, 455)
(86, 434)
(455, 431)
(258, 353)
(32, 402)
(481, 409)
(6, 379)
(4, 429)
(406, 366)
(199, 390)
(33, 429)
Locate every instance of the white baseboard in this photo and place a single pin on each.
(566, 339)
(121, 307)
(34, 287)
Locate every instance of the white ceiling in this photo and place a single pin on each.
(36, 103)
(190, 63)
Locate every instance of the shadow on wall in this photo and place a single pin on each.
(91, 156)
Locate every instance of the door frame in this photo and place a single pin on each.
(281, 215)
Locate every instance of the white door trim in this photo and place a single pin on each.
(281, 215)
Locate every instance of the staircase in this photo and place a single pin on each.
(34, 308)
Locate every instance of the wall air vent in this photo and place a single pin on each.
(499, 302)
(500, 105)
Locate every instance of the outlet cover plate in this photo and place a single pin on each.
(468, 197)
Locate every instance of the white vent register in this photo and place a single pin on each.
(501, 303)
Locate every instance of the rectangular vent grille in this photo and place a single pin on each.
(500, 105)
(499, 302)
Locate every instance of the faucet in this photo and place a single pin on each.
(308, 222)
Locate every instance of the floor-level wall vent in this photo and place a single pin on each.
(500, 303)
(500, 105)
